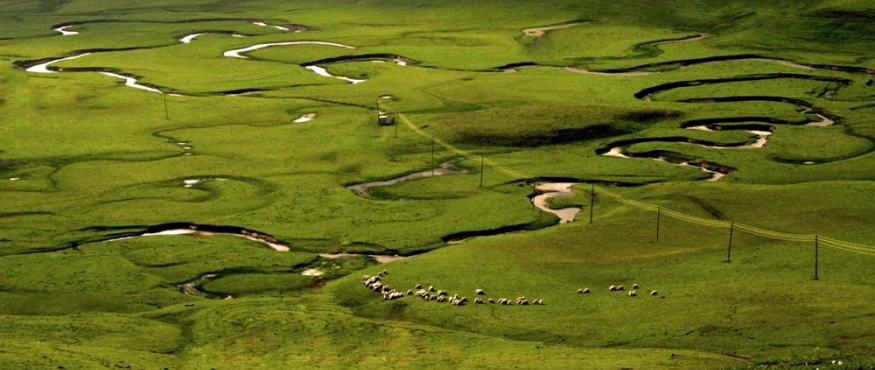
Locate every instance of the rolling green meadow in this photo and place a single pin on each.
(200, 215)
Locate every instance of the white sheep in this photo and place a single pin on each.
(479, 292)
(633, 293)
(612, 288)
(654, 292)
(634, 286)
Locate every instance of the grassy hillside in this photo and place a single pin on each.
(117, 197)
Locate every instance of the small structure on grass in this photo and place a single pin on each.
(385, 119)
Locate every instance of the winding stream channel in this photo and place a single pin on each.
(544, 190)
(64, 32)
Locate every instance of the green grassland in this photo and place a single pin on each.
(88, 164)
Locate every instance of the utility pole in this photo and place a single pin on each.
(658, 212)
(729, 252)
(481, 170)
(591, 200)
(816, 247)
(432, 155)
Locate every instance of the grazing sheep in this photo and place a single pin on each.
(522, 302)
(583, 291)
(433, 298)
(431, 288)
(654, 293)
(634, 286)
(503, 301)
(457, 302)
(490, 300)
(390, 295)
(409, 292)
(620, 288)
(612, 288)
(478, 301)
(441, 292)
(418, 286)
(479, 292)
(633, 293)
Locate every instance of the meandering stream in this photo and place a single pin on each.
(551, 190)
(238, 53)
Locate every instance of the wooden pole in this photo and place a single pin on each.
(481, 170)
(432, 155)
(166, 112)
(816, 250)
(658, 212)
(729, 251)
(591, 200)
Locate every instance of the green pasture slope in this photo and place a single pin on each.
(262, 145)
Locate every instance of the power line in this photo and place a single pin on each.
(835, 243)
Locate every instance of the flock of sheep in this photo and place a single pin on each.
(375, 283)
(617, 288)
